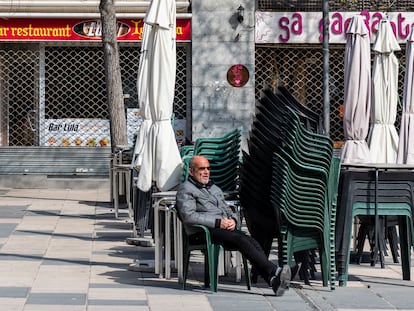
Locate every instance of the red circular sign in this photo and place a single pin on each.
(237, 75)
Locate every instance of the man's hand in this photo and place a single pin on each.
(228, 224)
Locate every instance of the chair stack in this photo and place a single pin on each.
(255, 172)
(394, 200)
(223, 154)
(186, 150)
(396, 196)
(304, 191)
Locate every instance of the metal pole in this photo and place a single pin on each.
(376, 239)
(326, 99)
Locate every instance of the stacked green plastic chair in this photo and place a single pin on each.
(186, 150)
(223, 152)
(224, 155)
(298, 141)
(304, 191)
(255, 173)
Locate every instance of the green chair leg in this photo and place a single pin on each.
(246, 273)
(214, 252)
(185, 269)
(211, 259)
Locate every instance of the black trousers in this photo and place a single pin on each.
(246, 245)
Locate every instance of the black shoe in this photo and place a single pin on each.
(281, 281)
(294, 270)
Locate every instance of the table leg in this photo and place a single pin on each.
(156, 239)
(162, 234)
(115, 190)
(175, 237)
(161, 244)
(167, 243)
(374, 252)
(179, 254)
(128, 177)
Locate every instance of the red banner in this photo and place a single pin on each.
(27, 29)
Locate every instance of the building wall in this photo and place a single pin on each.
(66, 7)
(218, 42)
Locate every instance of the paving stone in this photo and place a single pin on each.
(57, 298)
(64, 250)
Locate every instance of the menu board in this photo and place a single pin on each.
(96, 132)
(134, 121)
(76, 132)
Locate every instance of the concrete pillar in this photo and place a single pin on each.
(219, 41)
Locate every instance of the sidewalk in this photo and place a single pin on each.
(64, 250)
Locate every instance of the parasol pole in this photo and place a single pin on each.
(325, 48)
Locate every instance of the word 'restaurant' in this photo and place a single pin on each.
(30, 31)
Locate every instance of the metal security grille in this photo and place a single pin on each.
(40, 85)
(75, 83)
(300, 69)
(19, 78)
(335, 5)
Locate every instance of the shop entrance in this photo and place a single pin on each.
(19, 98)
(22, 105)
(54, 118)
(55, 96)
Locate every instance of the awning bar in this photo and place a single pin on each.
(78, 6)
(4, 15)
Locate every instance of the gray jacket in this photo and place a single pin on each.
(201, 204)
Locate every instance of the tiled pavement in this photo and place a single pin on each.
(63, 250)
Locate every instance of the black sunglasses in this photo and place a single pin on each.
(202, 168)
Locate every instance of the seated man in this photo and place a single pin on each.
(199, 201)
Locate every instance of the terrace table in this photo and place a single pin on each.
(395, 174)
(164, 203)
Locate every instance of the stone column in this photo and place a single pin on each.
(220, 40)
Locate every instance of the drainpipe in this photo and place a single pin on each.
(326, 99)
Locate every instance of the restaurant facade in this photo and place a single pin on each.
(52, 74)
(52, 80)
(289, 50)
